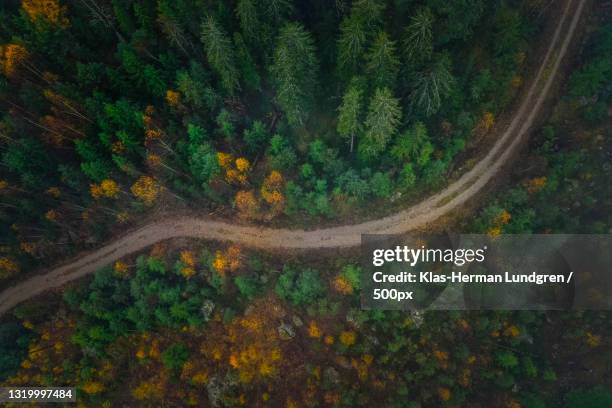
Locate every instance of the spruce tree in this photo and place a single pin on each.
(294, 72)
(382, 122)
(349, 113)
(220, 54)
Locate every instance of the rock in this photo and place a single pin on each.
(353, 318)
(207, 308)
(286, 331)
(417, 318)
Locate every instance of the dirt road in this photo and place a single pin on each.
(411, 218)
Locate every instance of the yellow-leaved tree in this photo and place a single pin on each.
(146, 189)
(271, 192)
(11, 56)
(8, 267)
(50, 11)
(247, 205)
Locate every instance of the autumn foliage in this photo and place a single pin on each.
(146, 189)
(229, 260)
(8, 267)
(272, 193)
(50, 11)
(107, 188)
(251, 345)
(236, 170)
(187, 263)
(501, 219)
(11, 56)
(247, 205)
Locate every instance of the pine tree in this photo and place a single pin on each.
(246, 11)
(349, 116)
(248, 69)
(382, 62)
(418, 40)
(432, 86)
(369, 11)
(409, 143)
(294, 72)
(220, 54)
(351, 43)
(276, 9)
(382, 122)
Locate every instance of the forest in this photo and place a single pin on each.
(264, 111)
(286, 113)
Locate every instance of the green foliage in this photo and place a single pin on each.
(407, 176)
(381, 124)
(352, 273)
(381, 185)
(294, 72)
(256, 137)
(248, 285)
(202, 157)
(300, 287)
(410, 143)
(175, 356)
(418, 38)
(349, 113)
(281, 154)
(457, 19)
(432, 86)
(220, 54)
(510, 32)
(598, 397)
(148, 299)
(351, 43)
(382, 63)
(225, 124)
(507, 359)
(351, 183)
(590, 84)
(369, 11)
(277, 9)
(121, 121)
(591, 78)
(146, 76)
(195, 88)
(314, 202)
(14, 340)
(246, 11)
(27, 159)
(248, 70)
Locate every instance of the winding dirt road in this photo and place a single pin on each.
(411, 218)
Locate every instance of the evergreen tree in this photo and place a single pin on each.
(410, 142)
(382, 62)
(277, 9)
(220, 54)
(457, 18)
(432, 86)
(247, 16)
(294, 71)
(418, 40)
(349, 113)
(382, 122)
(248, 70)
(351, 42)
(369, 11)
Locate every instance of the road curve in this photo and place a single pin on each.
(411, 218)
